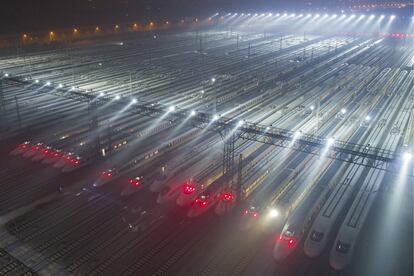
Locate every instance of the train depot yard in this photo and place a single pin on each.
(242, 145)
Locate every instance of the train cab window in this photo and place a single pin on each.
(342, 247)
(316, 236)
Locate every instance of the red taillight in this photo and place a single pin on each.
(290, 242)
(23, 146)
(255, 214)
(201, 203)
(107, 174)
(227, 196)
(280, 237)
(188, 189)
(246, 212)
(134, 182)
(46, 152)
(76, 162)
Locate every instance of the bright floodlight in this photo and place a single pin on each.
(6, 75)
(36, 81)
(213, 79)
(273, 213)
(407, 156)
(285, 14)
(267, 128)
(312, 107)
(367, 118)
(60, 85)
(317, 15)
(372, 16)
(330, 141)
(216, 117)
(48, 83)
(382, 16)
(297, 134)
(117, 97)
(171, 108)
(134, 100)
(343, 110)
(362, 15)
(392, 16)
(192, 113)
(293, 14)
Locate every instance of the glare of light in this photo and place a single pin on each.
(278, 14)
(60, 85)
(213, 80)
(300, 15)
(202, 91)
(382, 16)
(117, 97)
(343, 16)
(392, 16)
(101, 94)
(171, 108)
(270, 14)
(134, 100)
(330, 141)
(36, 81)
(267, 128)
(240, 123)
(285, 14)
(48, 83)
(343, 110)
(362, 16)
(317, 15)
(335, 16)
(121, 43)
(72, 88)
(192, 113)
(273, 213)
(297, 134)
(325, 15)
(312, 107)
(293, 14)
(407, 156)
(6, 75)
(372, 16)
(352, 15)
(309, 15)
(367, 118)
(216, 117)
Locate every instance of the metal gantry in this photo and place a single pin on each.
(365, 155)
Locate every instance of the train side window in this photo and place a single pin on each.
(316, 236)
(342, 247)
